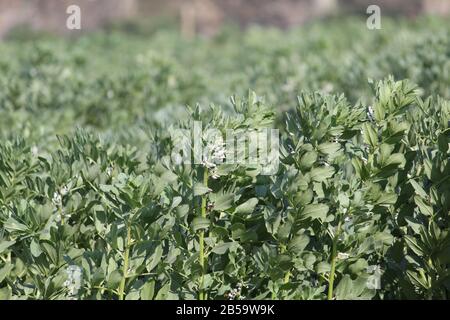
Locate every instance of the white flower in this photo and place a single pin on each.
(74, 279)
(214, 174)
(374, 280)
(236, 292)
(342, 256)
(370, 114)
(214, 154)
(374, 269)
(64, 190)
(348, 223)
(57, 199)
(34, 151)
(327, 87)
(290, 149)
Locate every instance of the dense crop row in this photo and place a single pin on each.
(358, 209)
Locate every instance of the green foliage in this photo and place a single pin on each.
(359, 208)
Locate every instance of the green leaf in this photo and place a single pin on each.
(163, 292)
(344, 201)
(385, 152)
(308, 160)
(425, 208)
(413, 224)
(359, 168)
(182, 210)
(12, 225)
(387, 199)
(222, 248)
(200, 223)
(5, 245)
(379, 111)
(5, 293)
(222, 202)
(176, 202)
(419, 190)
(315, 211)
(109, 189)
(35, 249)
(237, 230)
(148, 290)
(323, 267)
(358, 266)
(5, 271)
(114, 279)
(344, 289)
(304, 197)
(155, 258)
(219, 232)
(51, 251)
(396, 159)
(444, 141)
(413, 245)
(370, 135)
(284, 231)
(361, 288)
(322, 173)
(329, 148)
(132, 295)
(200, 189)
(298, 243)
(416, 279)
(247, 207)
(250, 235)
(284, 262)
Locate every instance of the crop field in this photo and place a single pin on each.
(99, 198)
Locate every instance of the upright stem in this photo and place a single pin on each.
(287, 275)
(202, 294)
(125, 264)
(333, 262)
(61, 215)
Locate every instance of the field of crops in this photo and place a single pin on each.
(93, 205)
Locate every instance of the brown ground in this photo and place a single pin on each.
(205, 16)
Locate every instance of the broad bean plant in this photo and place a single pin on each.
(99, 201)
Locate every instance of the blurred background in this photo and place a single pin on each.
(205, 17)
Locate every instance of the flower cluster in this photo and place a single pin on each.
(214, 154)
(370, 114)
(342, 256)
(236, 293)
(57, 199)
(74, 279)
(64, 191)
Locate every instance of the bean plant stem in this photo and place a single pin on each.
(125, 264)
(333, 262)
(287, 275)
(61, 215)
(202, 294)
